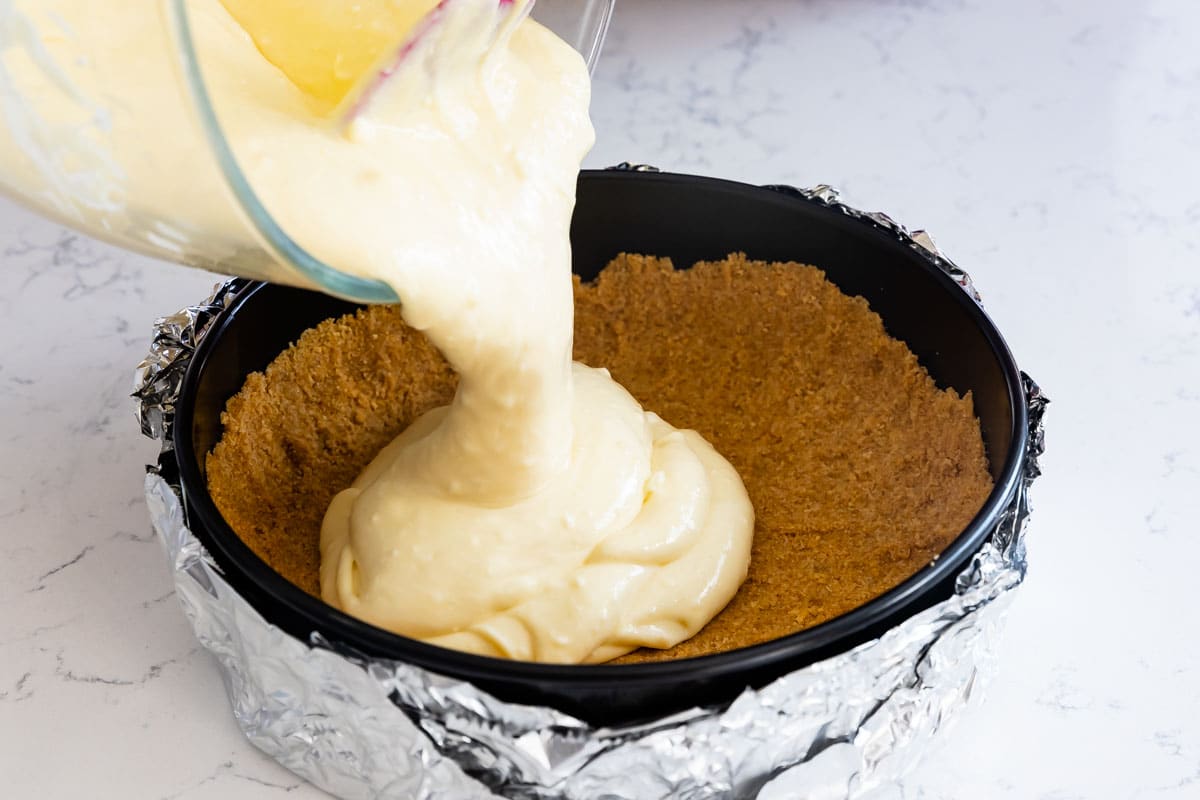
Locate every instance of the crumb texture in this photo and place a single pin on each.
(860, 469)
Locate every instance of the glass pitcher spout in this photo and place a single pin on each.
(586, 23)
(273, 238)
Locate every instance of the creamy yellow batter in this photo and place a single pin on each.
(543, 515)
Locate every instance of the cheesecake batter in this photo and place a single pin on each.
(543, 514)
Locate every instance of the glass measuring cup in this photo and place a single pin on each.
(68, 141)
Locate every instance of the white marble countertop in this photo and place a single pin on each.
(1053, 147)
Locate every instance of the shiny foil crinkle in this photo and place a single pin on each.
(360, 728)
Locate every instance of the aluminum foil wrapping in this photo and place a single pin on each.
(372, 728)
